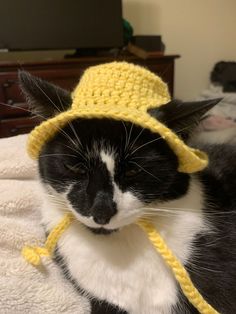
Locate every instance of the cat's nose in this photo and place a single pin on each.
(103, 208)
(101, 220)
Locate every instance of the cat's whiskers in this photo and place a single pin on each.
(210, 212)
(53, 155)
(56, 198)
(78, 144)
(23, 109)
(134, 141)
(70, 124)
(171, 208)
(130, 133)
(197, 269)
(176, 210)
(157, 139)
(135, 163)
(84, 166)
(76, 151)
(152, 215)
(45, 94)
(68, 137)
(60, 130)
(58, 109)
(126, 135)
(161, 212)
(62, 205)
(62, 208)
(52, 180)
(127, 144)
(59, 203)
(143, 145)
(59, 98)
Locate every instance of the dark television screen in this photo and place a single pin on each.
(60, 24)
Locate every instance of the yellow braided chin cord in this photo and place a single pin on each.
(33, 253)
(180, 273)
(33, 256)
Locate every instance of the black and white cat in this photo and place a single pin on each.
(110, 173)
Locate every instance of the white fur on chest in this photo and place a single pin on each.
(124, 268)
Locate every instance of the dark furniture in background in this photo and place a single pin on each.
(14, 118)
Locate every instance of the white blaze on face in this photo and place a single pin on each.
(108, 159)
(128, 205)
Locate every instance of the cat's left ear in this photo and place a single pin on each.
(44, 99)
(183, 117)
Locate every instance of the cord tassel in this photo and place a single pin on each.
(33, 253)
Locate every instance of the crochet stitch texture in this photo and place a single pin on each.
(125, 92)
(120, 91)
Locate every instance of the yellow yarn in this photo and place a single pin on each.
(180, 273)
(120, 91)
(124, 92)
(33, 254)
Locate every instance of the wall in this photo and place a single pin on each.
(202, 32)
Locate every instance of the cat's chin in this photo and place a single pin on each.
(102, 231)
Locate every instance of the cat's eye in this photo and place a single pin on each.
(132, 172)
(77, 169)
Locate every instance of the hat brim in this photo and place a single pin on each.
(190, 159)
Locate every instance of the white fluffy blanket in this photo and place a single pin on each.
(24, 288)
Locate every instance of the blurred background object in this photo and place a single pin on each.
(84, 25)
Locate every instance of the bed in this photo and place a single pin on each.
(24, 288)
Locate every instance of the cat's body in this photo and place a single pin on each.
(109, 174)
(126, 271)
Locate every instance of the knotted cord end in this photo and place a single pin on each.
(33, 254)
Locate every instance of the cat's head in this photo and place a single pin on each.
(109, 172)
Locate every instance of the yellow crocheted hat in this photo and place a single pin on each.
(120, 91)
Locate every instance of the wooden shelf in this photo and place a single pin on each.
(65, 73)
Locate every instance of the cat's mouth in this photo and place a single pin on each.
(95, 228)
(102, 230)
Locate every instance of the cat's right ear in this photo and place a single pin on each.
(44, 98)
(183, 117)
